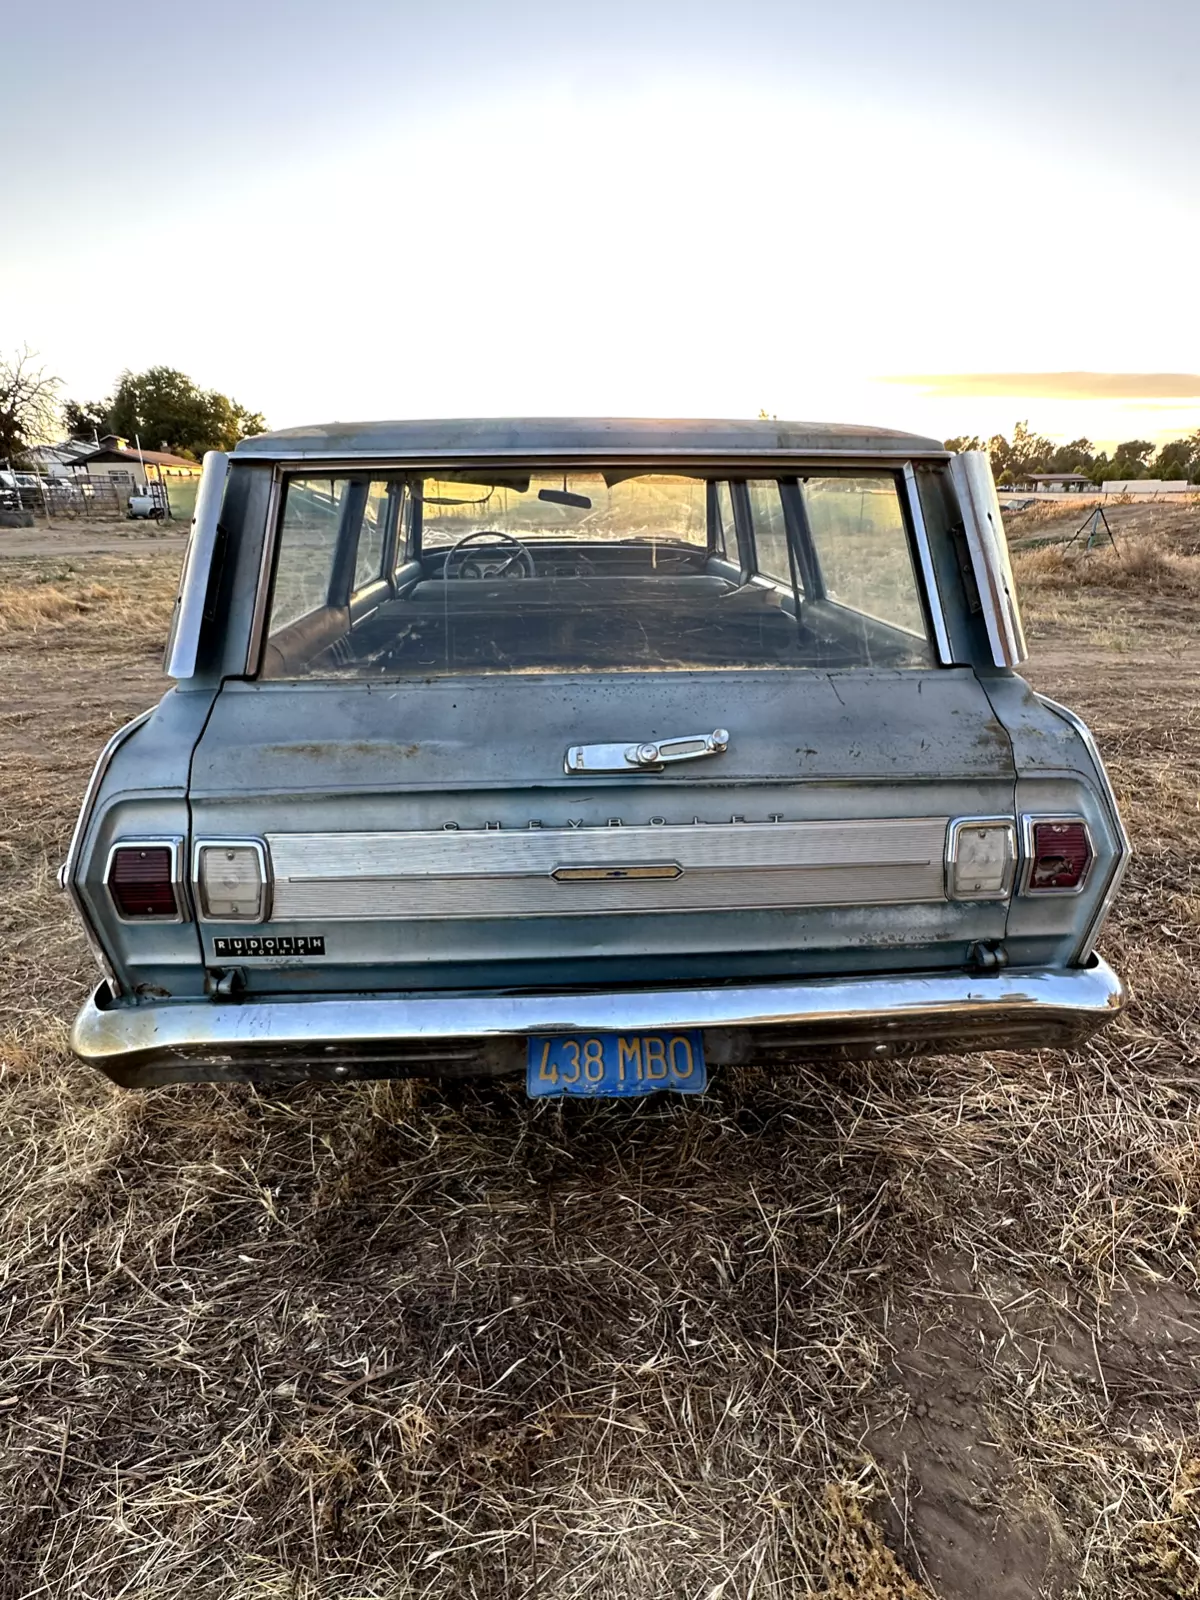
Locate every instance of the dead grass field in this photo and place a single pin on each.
(886, 1332)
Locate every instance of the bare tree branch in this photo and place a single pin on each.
(28, 404)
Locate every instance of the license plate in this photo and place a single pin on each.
(607, 1064)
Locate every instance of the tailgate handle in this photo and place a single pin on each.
(649, 756)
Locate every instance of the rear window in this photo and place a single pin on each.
(861, 545)
(619, 569)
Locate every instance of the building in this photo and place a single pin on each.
(1058, 482)
(58, 461)
(128, 468)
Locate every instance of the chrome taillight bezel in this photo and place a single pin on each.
(262, 911)
(170, 842)
(953, 836)
(1032, 819)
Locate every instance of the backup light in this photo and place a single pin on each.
(231, 880)
(981, 857)
(141, 880)
(1060, 855)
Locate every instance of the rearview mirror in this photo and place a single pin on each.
(564, 497)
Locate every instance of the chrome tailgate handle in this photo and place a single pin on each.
(650, 756)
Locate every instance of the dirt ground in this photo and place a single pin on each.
(75, 540)
(903, 1330)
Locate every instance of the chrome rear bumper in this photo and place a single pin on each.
(461, 1035)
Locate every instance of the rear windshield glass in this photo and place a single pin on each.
(387, 575)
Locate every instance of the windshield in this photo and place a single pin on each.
(591, 570)
(576, 505)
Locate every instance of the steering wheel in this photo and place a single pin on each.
(520, 554)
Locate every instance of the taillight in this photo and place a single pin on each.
(981, 856)
(1060, 855)
(231, 880)
(142, 881)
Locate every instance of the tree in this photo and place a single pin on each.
(1179, 458)
(1000, 453)
(87, 419)
(28, 404)
(168, 411)
(1078, 456)
(1130, 459)
(1015, 458)
(1030, 451)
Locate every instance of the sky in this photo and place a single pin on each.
(927, 214)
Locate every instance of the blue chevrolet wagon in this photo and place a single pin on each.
(608, 752)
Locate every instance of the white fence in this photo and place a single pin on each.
(1149, 486)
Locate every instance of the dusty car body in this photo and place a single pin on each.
(489, 732)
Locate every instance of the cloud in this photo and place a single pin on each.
(1056, 385)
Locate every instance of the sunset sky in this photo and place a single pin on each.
(912, 212)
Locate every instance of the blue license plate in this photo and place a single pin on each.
(605, 1064)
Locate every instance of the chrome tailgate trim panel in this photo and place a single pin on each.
(493, 873)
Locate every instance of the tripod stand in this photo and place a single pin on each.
(1092, 524)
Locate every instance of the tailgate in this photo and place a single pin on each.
(426, 834)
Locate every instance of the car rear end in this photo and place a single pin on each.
(608, 752)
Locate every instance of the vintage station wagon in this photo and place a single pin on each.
(608, 751)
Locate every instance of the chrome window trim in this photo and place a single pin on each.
(780, 464)
(933, 597)
(266, 562)
(971, 475)
(197, 568)
(285, 467)
(174, 843)
(70, 866)
(952, 835)
(264, 867)
(1109, 801)
(1028, 821)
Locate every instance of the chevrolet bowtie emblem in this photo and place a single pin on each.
(656, 869)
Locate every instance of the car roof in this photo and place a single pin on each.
(473, 437)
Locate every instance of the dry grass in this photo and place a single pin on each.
(29, 608)
(54, 596)
(1141, 566)
(1175, 524)
(866, 1333)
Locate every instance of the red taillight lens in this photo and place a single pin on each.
(140, 881)
(1062, 854)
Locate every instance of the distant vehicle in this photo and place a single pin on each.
(19, 491)
(145, 504)
(611, 752)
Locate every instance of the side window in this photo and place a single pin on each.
(368, 563)
(307, 541)
(770, 530)
(724, 530)
(861, 544)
